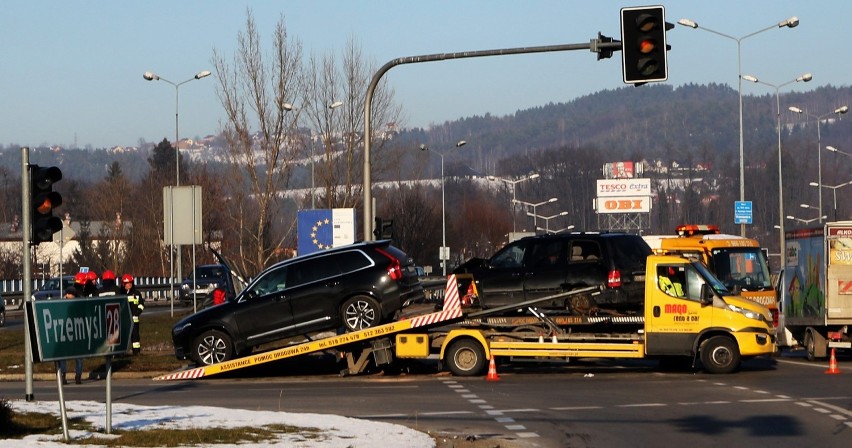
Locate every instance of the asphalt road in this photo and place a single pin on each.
(779, 402)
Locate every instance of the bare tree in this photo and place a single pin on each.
(257, 91)
(343, 83)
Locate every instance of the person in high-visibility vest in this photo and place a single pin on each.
(670, 281)
(137, 305)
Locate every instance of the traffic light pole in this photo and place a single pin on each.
(26, 218)
(604, 46)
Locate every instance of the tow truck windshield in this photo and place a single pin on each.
(743, 269)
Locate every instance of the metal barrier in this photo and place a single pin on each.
(152, 289)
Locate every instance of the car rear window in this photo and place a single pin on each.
(629, 252)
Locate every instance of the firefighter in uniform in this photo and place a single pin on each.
(137, 305)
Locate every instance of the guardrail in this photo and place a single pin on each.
(151, 288)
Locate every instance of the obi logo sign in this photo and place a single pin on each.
(627, 204)
(82, 327)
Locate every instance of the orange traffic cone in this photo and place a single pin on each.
(832, 364)
(492, 371)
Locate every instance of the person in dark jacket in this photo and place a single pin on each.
(108, 285)
(90, 288)
(137, 305)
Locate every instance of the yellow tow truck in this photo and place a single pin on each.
(702, 321)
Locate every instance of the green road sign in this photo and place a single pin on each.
(81, 327)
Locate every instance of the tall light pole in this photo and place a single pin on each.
(534, 206)
(149, 76)
(804, 78)
(444, 252)
(546, 220)
(833, 190)
(331, 106)
(792, 22)
(513, 183)
(839, 111)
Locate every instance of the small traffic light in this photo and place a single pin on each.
(643, 41)
(383, 229)
(43, 201)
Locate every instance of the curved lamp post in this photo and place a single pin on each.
(792, 22)
(444, 252)
(804, 78)
(835, 150)
(839, 111)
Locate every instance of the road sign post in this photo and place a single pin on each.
(80, 328)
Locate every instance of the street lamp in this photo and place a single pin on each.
(331, 106)
(805, 221)
(804, 78)
(149, 76)
(792, 22)
(834, 191)
(444, 253)
(833, 149)
(839, 111)
(546, 220)
(529, 204)
(513, 183)
(556, 231)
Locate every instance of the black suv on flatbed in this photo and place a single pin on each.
(346, 288)
(539, 266)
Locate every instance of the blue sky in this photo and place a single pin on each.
(72, 70)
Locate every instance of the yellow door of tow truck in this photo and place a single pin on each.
(674, 314)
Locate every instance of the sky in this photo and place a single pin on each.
(337, 431)
(72, 70)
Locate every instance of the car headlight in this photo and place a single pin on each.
(747, 313)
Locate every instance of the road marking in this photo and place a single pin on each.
(518, 429)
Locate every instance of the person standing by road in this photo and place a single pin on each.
(108, 285)
(137, 305)
(90, 288)
(72, 293)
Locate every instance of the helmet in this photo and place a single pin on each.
(92, 275)
(108, 275)
(80, 278)
(126, 278)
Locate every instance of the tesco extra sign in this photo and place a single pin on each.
(623, 187)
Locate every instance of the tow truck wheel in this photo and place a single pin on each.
(360, 312)
(212, 347)
(720, 354)
(465, 358)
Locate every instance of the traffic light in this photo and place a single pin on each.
(383, 229)
(43, 201)
(643, 41)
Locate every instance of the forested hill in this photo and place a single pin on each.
(629, 123)
(646, 122)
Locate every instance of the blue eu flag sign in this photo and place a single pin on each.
(316, 230)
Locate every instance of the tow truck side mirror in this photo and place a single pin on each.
(706, 294)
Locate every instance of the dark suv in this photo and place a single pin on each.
(544, 265)
(346, 288)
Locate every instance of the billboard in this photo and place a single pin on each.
(623, 204)
(623, 187)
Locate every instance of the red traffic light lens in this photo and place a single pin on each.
(647, 45)
(45, 206)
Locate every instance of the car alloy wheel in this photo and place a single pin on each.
(360, 312)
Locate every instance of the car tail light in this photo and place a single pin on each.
(394, 268)
(613, 280)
